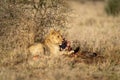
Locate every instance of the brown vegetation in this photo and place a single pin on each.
(24, 22)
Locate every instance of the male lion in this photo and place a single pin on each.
(51, 44)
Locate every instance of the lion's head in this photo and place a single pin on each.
(54, 37)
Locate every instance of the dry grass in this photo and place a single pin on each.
(97, 32)
(88, 24)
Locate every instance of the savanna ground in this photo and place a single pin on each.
(88, 24)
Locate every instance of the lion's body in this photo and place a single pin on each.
(36, 49)
(51, 43)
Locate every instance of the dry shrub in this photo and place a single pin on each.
(23, 22)
(112, 7)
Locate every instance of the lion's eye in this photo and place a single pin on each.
(58, 36)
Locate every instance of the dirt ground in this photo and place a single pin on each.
(94, 30)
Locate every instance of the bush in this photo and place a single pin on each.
(113, 7)
(23, 22)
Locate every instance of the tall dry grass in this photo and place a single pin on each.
(87, 23)
(97, 32)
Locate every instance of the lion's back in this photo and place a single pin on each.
(36, 49)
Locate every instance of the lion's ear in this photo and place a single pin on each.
(52, 31)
